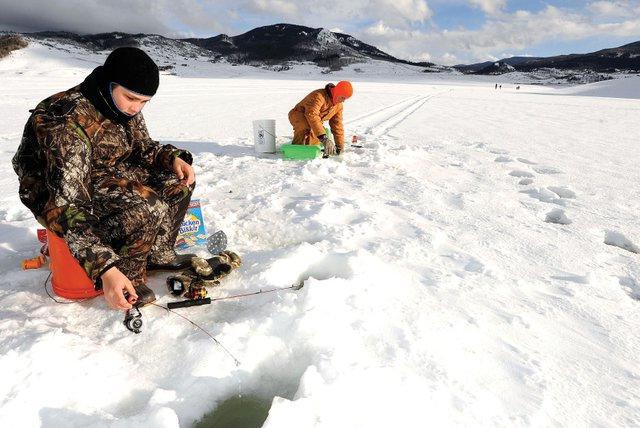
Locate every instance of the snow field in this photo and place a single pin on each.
(472, 264)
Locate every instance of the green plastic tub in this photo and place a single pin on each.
(295, 151)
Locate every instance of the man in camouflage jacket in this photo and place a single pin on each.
(91, 174)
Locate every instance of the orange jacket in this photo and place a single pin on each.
(318, 107)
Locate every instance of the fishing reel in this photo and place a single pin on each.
(196, 290)
(133, 320)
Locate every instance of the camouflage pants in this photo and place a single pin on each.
(140, 220)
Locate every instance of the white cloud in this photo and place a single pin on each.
(611, 9)
(409, 10)
(281, 7)
(489, 6)
(380, 29)
(449, 58)
(503, 32)
(203, 16)
(341, 13)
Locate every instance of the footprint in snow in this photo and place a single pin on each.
(457, 201)
(547, 170)
(503, 159)
(521, 174)
(527, 161)
(557, 216)
(474, 266)
(499, 151)
(525, 181)
(465, 264)
(578, 279)
(617, 239)
(631, 286)
(544, 195)
(551, 194)
(563, 192)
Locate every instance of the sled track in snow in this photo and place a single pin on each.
(382, 109)
(385, 124)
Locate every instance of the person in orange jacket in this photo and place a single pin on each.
(308, 115)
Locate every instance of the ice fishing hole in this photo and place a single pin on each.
(240, 411)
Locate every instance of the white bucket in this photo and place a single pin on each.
(264, 135)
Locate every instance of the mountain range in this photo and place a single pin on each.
(623, 58)
(271, 45)
(281, 44)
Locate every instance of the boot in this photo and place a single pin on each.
(145, 295)
(179, 262)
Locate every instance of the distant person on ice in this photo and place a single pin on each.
(308, 115)
(91, 174)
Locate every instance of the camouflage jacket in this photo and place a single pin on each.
(67, 149)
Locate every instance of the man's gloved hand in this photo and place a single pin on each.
(329, 145)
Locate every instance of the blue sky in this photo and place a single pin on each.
(442, 31)
(454, 14)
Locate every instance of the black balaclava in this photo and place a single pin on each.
(127, 66)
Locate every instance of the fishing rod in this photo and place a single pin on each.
(133, 317)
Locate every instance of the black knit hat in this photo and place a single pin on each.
(133, 69)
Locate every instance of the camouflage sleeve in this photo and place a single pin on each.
(337, 128)
(150, 153)
(68, 212)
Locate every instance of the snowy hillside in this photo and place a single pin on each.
(474, 263)
(184, 59)
(275, 46)
(622, 59)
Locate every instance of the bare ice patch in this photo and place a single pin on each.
(617, 239)
(525, 181)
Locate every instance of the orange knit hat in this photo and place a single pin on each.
(343, 88)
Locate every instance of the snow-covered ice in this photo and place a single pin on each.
(472, 264)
